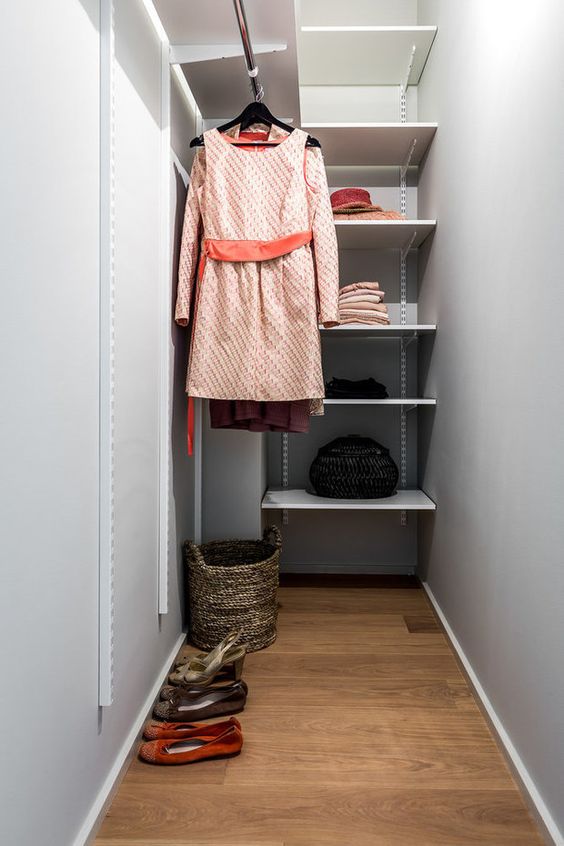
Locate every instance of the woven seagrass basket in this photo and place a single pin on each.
(353, 467)
(233, 584)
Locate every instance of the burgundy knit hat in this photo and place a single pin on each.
(351, 198)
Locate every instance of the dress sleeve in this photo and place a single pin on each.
(324, 241)
(190, 245)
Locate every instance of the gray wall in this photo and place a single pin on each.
(55, 764)
(493, 554)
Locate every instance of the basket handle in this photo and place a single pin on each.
(192, 550)
(275, 531)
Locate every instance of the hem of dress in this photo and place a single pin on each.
(199, 394)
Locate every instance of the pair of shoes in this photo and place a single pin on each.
(204, 668)
(218, 684)
(188, 743)
(193, 703)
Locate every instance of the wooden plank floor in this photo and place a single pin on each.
(359, 731)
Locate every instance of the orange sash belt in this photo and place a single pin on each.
(255, 250)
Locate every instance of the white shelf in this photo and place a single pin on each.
(391, 331)
(362, 55)
(382, 234)
(371, 144)
(416, 401)
(299, 499)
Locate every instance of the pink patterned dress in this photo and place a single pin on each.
(259, 268)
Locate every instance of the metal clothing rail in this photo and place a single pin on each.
(252, 68)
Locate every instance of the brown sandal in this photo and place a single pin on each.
(195, 705)
(170, 690)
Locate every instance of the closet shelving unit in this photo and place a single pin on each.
(370, 55)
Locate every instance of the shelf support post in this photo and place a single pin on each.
(106, 550)
(403, 423)
(285, 471)
(403, 279)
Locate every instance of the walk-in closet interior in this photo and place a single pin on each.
(344, 626)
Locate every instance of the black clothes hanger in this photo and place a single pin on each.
(255, 113)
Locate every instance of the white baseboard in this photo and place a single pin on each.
(549, 829)
(350, 569)
(103, 800)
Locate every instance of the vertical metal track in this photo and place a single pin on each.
(403, 308)
(403, 423)
(198, 434)
(165, 279)
(107, 355)
(285, 470)
(198, 468)
(403, 104)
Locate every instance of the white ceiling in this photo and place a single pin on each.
(221, 88)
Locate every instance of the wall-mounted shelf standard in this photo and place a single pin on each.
(363, 55)
(298, 499)
(382, 234)
(372, 144)
(395, 401)
(360, 330)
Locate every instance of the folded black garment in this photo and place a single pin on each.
(351, 389)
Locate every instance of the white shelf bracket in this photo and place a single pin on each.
(404, 167)
(405, 81)
(407, 246)
(403, 87)
(188, 54)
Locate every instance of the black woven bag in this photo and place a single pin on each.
(353, 467)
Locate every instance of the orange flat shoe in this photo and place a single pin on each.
(180, 731)
(192, 750)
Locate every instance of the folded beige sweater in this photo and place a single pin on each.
(365, 320)
(364, 306)
(352, 316)
(360, 298)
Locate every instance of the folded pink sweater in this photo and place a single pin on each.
(361, 295)
(356, 286)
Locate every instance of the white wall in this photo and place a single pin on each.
(493, 281)
(61, 745)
